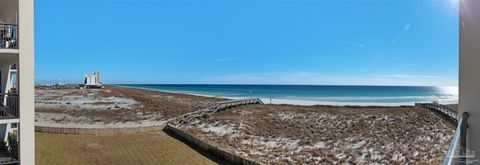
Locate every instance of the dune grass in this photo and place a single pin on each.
(136, 148)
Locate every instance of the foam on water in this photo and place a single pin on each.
(320, 94)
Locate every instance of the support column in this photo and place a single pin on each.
(26, 82)
(469, 83)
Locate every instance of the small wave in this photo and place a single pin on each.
(297, 98)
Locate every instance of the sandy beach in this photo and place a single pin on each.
(269, 133)
(112, 107)
(287, 134)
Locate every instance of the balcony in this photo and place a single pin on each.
(8, 36)
(458, 153)
(9, 106)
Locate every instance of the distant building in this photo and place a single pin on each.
(92, 80)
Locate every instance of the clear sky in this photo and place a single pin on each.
(355, 42)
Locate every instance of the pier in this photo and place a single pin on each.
(447, 112)
(223, 105)
(217, 107)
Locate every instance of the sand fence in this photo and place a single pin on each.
(224, 155)
(98, 131)
(221, 106)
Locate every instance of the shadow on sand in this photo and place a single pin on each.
(198, 149)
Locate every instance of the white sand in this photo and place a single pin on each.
(217, 128)
(50, 120)
(86, 99)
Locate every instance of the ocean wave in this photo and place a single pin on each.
(300, 99)
(347, 103)
(371, 98)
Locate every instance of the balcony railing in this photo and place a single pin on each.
(9, 106)
(8, 36)
(458, 154)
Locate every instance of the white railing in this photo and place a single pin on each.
(458, 153)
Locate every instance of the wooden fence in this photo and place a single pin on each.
(97, 131)
(103, 131)
(224, 155)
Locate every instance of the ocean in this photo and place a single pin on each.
(318, 94)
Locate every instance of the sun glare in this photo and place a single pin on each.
(454, 4)
(450, 90)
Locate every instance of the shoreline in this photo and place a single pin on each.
(295, 102)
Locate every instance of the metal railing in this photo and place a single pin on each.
(8, 36)
(9, 106)
(458, 153)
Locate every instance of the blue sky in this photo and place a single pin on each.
(343, 42)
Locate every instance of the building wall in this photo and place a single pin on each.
(26, 82)
(469, 83)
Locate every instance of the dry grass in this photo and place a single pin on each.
(453, 107)
(168, 104)
(284, 134)
(139, 148)
(150, 105)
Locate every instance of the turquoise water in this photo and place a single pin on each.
(320, 94)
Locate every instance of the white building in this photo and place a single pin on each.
(92, 80)
(469, 82)
(17, 134)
